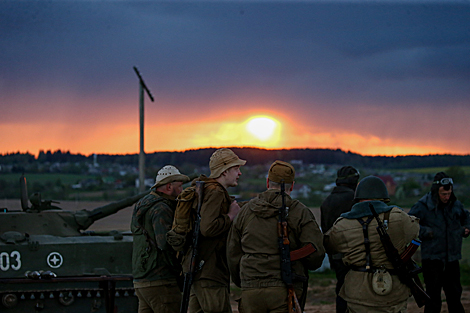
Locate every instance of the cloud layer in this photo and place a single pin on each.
(373, 77)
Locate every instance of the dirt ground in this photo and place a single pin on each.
(320, 298)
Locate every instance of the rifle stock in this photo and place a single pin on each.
(407, 270)
(188, 277)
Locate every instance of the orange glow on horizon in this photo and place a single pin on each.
(219, 130)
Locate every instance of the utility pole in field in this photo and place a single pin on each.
(142, 86)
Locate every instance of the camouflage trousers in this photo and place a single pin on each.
(209, 296)
(161, 299)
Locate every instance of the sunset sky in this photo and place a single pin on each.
(372, 77)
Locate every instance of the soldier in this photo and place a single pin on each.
(154, 265)
(253, 248)
(371, 285)
(210, 288)
(443, 222)
(339, 201)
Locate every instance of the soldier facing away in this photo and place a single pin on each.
(338, 202)
(154, 264)
(253, 248)
(371, 285)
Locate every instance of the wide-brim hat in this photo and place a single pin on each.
(223, 159)
(169, 174)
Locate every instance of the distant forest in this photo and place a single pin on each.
(254, 156)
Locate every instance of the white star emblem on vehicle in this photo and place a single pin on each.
(54, 259)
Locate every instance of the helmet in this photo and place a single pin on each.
(371, 188)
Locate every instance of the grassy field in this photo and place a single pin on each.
(433, 170)
(43, 178)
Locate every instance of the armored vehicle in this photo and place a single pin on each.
(50, 263)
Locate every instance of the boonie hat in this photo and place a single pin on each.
(223, 159)
(169, 174)
(281, 170)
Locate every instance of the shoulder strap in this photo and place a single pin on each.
(365, 225)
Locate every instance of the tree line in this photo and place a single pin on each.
(255, 156)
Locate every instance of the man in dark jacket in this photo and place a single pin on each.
(443, 223)
(338, 202)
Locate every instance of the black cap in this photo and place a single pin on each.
(347, 175)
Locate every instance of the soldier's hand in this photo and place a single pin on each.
(466, 232)
(233, 210)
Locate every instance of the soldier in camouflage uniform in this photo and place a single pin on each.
(154, 265)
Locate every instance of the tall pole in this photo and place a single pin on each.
(142, 87)
(141, 151)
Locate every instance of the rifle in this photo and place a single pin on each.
(188, 277)
(407, 270)
(284, 250)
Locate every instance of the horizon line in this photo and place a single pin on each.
(233, 147)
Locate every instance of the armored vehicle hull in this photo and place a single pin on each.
(48, 263)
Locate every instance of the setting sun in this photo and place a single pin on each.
(261, 127)
(263, 131)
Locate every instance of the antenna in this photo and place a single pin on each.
(142, 87)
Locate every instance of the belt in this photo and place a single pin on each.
(372, 269)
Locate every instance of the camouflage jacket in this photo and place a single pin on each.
(152, 264)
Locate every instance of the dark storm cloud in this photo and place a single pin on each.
(339, 54)
(238, 37)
